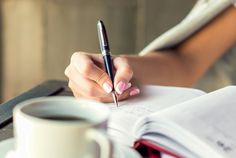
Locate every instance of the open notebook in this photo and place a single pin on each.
(181, 122)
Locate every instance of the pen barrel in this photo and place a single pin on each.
(109, 66)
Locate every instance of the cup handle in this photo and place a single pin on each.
(104, 143)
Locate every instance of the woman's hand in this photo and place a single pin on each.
(88, 78)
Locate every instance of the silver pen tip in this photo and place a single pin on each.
(115, 98)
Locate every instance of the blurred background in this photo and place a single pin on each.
(39, 36)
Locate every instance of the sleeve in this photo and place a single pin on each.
(203, 12)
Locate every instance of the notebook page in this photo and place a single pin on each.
(151, 99)
(211, 119)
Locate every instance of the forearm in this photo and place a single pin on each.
(162, 68)
(186, 64)
(207, 45)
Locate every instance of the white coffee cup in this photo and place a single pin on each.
(61, 127)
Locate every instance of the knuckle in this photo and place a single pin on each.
(123, 59)
(66, 72)
(75, 94)
(87, 68)
(70, 85)
(125, 68)
(120, 59)
(73, 89)
(69, 71)
(128, 70)
(76, 55)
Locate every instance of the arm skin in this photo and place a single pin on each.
(186, 64)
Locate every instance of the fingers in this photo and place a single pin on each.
(82, 85)
(81, 94)
(88, 79)
(124, 74)
(78, 93)
(88, 69)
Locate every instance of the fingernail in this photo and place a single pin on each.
(121, 87)
(134, 92)
(129, 85)
(106, 86)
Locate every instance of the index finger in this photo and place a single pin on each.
(124, 74)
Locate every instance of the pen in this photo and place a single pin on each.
(105, 49)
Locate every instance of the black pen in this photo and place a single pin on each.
(105, 49)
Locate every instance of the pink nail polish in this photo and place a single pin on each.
(106, 86)
(121, 87)
(134, 92)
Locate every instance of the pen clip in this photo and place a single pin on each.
(102, 35)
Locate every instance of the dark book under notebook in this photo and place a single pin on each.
(47, 88)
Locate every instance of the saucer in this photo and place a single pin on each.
(6, 146)
(120, 151)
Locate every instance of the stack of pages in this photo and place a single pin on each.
(178, 122)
